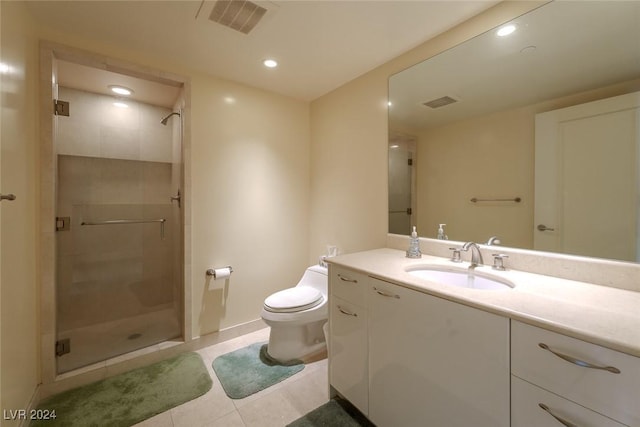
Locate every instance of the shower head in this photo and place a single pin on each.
(164, 121)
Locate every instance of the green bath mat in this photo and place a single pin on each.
(131, 397)
(250, 369)
(332, 414)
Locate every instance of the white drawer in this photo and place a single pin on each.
(348, 284)
(527, 402)
(615, 395)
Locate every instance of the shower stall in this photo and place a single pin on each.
(118, 227)
(402, 183)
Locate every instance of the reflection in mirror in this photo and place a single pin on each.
(531, 137)
(402, 178)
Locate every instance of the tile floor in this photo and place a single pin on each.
(276, 406)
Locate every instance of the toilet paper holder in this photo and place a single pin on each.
(212, 271)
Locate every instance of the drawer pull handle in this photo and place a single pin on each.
(346, 279)
(347, 312)
(386, 294)
(579, 362)
(560, 420)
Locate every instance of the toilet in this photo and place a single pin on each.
(296, 317)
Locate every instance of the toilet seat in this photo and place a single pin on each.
(293, 299)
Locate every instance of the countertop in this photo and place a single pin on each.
(602, 315)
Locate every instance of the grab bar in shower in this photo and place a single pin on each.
(129, 221)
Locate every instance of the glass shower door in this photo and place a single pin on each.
(118, 240)
(400, 209)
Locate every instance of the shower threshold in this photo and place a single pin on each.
(102, 344)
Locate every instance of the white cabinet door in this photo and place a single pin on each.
(348, 372)
(434, 362)
(532, 406)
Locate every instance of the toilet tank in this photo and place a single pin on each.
(315, 276)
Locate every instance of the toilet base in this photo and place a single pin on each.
(287, 342)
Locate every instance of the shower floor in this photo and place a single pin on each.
(97, 343)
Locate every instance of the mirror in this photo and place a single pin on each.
(463, 145)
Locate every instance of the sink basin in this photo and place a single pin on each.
(463, 278)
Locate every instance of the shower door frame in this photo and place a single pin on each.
(50, 52)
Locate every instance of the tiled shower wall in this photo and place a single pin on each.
(109, 272)
(115, 164)
(97, 128)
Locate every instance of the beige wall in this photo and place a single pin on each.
(18, 286)
(250, 198)
(349, 144)
(349, 167)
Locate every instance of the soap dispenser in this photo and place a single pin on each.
(414, 245)
(441, 235)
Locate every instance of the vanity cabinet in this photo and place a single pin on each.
(434, 362)
(408, 358)
(348, 338)
(582, 383)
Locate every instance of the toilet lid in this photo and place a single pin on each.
(293, 299)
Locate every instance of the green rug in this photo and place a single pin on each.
(332, 414)
(250, 369)
(131, 397)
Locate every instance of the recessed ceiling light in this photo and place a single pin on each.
(120, 104)
(121, 90)
(270, 63)
(506, 30)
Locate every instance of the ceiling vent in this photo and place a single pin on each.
(239, 15)
(440, 102)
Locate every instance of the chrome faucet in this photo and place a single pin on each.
(476, 256)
